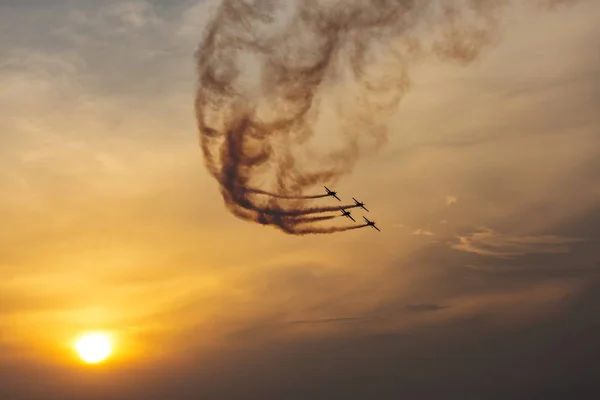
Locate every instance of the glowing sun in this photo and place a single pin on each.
(93, 348)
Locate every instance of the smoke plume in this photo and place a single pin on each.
(292, 92)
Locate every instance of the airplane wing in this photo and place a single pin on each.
(350, 216)
(366, 220)
(365, 209)
(337, 197)
(376, 228)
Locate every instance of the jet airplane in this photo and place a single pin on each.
(360, 204)
(332, 193)
(371, 224)
(347, 213)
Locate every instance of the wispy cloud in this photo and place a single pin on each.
(424, 307)
(451, 200)
(133, 13)
(327, 320)
(488, 242)
(422, 232)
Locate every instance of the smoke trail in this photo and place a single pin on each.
(303, 220)
(276, 76)
(282, 196)
(334, 229)
(297, 212)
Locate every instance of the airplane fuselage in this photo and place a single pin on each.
(331, 193)
(359, 204)
(371, 224)
(347, 214)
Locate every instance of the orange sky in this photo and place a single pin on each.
(487, 195)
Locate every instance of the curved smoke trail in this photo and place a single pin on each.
(275, 76)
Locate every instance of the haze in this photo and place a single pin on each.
(484, 282)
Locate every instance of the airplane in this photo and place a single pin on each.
(331, 193)
(371, 224)
(346, 213)
(360, 204)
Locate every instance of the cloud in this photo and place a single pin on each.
(488, 242)
(133, 13)
(326, 320)
(451, 200)
(424, 307)
(422, 232)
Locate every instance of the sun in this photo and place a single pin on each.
(94, 347)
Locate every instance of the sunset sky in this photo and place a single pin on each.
(484, 282)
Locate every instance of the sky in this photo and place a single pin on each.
(484, 282)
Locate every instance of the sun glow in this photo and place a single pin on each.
(93, 348)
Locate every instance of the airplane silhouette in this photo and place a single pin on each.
(346, 213)
(331, 193)
(371, 224)
(360, 204)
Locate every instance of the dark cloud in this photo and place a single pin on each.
(327, 320)
(424, 307)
